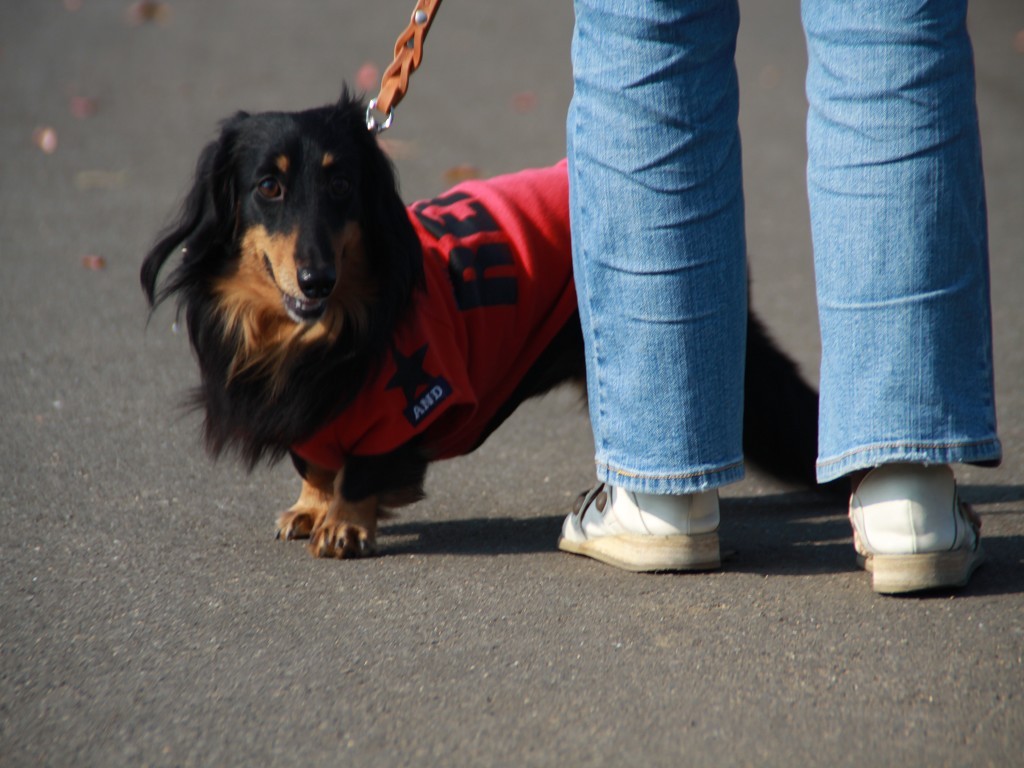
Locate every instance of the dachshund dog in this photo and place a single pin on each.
(367, 339)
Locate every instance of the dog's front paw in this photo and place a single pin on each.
(299, 522)
(349, 529)
(312, 506)
(343, 540)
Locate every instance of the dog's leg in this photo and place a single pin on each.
(311, 508)
(349, 528)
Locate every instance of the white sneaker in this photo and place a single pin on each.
(911, 531)
(644, 532)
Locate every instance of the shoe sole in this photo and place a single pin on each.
(645, 553)
(898, 574)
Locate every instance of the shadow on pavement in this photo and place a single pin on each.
(787, 534)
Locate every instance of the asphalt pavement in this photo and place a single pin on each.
(148, 616)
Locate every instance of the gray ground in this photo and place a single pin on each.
(147, 616)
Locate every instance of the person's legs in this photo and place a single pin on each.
(898, 220)
(899, 228)
(659, 256)
(658, 243)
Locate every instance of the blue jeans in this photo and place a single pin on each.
(898, 223)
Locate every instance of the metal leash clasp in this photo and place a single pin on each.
(373, 125)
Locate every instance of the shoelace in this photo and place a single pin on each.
(596, 495)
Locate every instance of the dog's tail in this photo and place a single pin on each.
(780, 421)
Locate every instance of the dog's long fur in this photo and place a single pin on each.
(297, 261)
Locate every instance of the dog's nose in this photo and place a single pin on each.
(317, 283)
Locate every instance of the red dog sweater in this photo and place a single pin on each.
(499, 287)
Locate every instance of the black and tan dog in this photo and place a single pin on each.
(368, 339)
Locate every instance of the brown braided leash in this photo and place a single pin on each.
(408, 54)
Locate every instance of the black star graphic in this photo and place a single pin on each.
(410, 375)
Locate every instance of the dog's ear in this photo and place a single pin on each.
(391, 242)
(207, 218)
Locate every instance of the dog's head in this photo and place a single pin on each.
(297, 218)
(293, 240)
(293, 225)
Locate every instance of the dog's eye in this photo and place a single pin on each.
(339, 188)
(270, 188)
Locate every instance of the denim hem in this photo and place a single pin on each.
(670, 484)
(986, 452)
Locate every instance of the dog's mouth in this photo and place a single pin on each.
(303, 310)
(300, 310)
